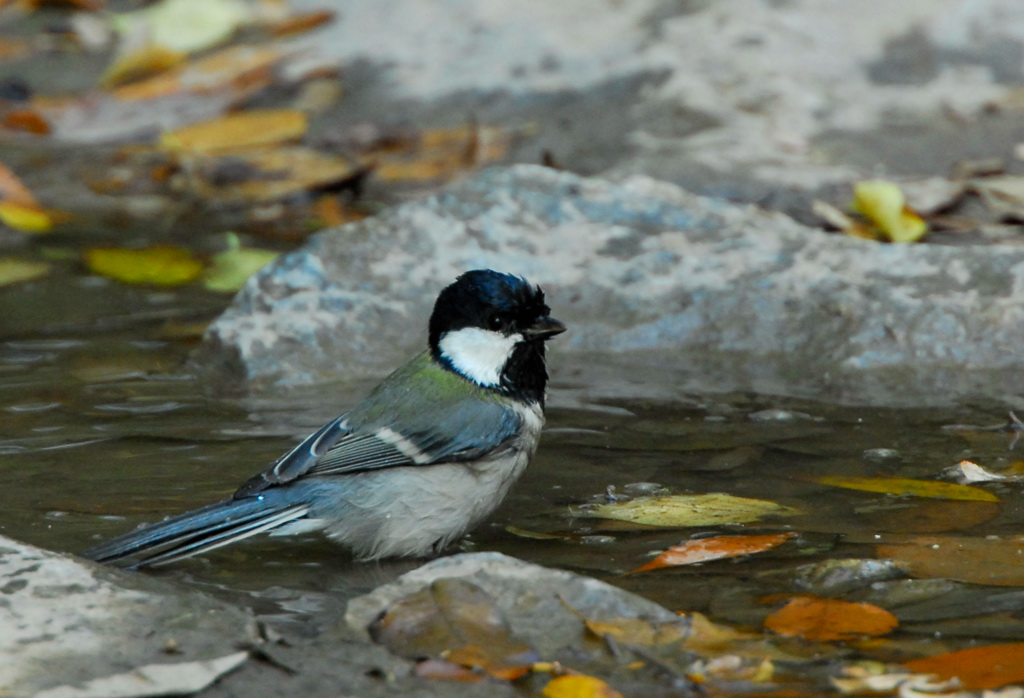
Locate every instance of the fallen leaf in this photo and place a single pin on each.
(990, 560)
(968, 471)
(146, 62)
(12, 190)
(579, 686)
(230, 69)
(266, 175)
(14, 270)
(930, 516)
(828, 620)
(162, 266)
(1004, 196)
(183, 25)
(441, 154)
(717, 548)
(229, 270)
(247, 129)
(298, 24)
(884, 205)
(456, 621)
(901, 486)
(26, 218)
(685, 510)
(977, 668)
(639, 630)
(182, 678)
(27, 121)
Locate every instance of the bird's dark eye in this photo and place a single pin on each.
(495, 322)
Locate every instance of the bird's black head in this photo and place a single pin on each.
(491, 328)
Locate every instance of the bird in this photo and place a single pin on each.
(426, 456)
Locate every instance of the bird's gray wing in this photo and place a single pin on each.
(456, 421)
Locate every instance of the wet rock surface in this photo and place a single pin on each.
(731, 296)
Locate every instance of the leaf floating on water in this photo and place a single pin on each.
(162, 266)
(579, 686)
(901, 486)
(14, 270)
(991, 560)
(977, 668)
(717, 548)
(26, 218)
(828, 620)
(684, 510)
(229, 270)
(457, 621)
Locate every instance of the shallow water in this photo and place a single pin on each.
(105, 429)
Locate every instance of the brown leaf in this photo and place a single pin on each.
(237, 132)
(297, 24)
(264, 175)
(992, 560)
(828, 620)
(454, 620)
(27, 121)
(236, 67)
(717, 548)
(977, 668)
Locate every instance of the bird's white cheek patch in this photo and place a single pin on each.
(479, 355)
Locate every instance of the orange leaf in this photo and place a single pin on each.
(978, 668)
(717, 548)
(232, 67)
(258, 127)
(829, 619)
(13, 191)
(26, 120)
(579, 686)
(301, 23)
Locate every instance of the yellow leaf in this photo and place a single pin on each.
(163, 266)
(26, 218)
(14, 270)
(640, 631)
(884, 204)
(135, 65)
(229, 270)
(248, 129)
(691, 510)
(579, 686)
(906, 486)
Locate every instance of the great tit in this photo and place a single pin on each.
(429, 454)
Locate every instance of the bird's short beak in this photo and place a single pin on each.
(543, 328)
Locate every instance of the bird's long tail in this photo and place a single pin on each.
(197, 531)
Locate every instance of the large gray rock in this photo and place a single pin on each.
(724, 296)
(71, 628)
